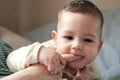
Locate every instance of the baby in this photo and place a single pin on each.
(75, 45)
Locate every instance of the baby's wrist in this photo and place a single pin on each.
(39, 53)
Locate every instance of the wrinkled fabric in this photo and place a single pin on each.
(5, 49)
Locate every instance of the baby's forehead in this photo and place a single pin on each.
(63, 13)
(66, 15)
(62, 19)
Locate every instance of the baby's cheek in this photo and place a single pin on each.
(91, 58)
(61, 51)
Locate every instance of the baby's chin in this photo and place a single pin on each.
(75, 66)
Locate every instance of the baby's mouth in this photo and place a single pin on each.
(73, 58)
(79, 59)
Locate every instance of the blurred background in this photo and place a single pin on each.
(24, 16)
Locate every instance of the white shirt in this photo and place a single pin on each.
(21, 58)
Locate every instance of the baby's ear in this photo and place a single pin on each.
(100, 45)
(54, 36)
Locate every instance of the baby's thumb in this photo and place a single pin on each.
(68, 57)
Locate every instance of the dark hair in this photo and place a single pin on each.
(85, 7)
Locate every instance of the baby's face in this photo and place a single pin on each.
(78, 35)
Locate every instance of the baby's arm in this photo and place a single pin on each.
(25, 56)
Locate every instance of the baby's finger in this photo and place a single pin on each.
(55, 71)
(50, 65)
(59, 68)
(62, 62)
(55, 68)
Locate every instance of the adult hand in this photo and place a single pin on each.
(34, 72)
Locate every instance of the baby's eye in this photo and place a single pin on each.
(69, 37)
(88, 40)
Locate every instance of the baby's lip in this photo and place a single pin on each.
(79, 59)
(75, 59)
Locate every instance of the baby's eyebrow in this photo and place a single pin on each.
(91, 35)
(69, 32)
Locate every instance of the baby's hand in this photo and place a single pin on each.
(50, 58)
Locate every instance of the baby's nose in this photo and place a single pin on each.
(77, 45)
